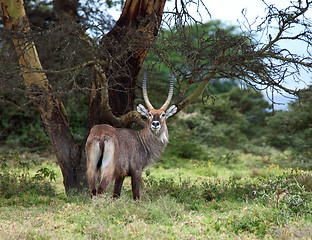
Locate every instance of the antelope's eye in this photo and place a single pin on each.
(150, 115)
(163, 114)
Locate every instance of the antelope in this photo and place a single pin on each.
(119, 152)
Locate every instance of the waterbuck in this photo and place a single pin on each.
(119, 152)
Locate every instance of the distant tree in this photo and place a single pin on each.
(293, 128)
(105, 64)
(253, 106)
(231, 120)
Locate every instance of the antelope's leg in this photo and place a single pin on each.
(107, 167)
(117, 187)
(136, 182)
(93, 153)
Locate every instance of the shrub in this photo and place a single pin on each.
(22, 128)
(292, 129)
(16, 181)
(182, 145)
(234, 189)
(185, 149)
(289, 191)
(184, 190)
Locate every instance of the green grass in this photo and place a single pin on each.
(224, 196)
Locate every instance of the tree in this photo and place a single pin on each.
(234, 119)
(253, 106)
(292, 128)
(139, 18)
(114, 59)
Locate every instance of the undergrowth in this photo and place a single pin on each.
(18, 181)
(274, 205)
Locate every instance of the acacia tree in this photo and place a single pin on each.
(115, 58)
(140, 19)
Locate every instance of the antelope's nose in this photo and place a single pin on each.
(155, 124)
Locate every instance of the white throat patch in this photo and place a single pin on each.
(163, 138)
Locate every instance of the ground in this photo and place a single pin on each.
(230, 196)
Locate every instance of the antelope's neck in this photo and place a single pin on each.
(154, 143)
(160, 137)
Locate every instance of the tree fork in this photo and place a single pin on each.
(142, 19)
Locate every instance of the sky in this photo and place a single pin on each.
(230, 12)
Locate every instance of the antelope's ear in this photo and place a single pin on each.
(172, 110)
(141, 109)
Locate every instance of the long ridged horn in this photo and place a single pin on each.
(166, 104)
(147, 102)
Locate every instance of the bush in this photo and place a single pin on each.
(16, 181)
(185, 149)
(292, 129)
(232, 121)
(234, 189)
(289, 191)
(181, 144)
(184, 190)
(22, 128)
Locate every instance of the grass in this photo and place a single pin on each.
(224, 196)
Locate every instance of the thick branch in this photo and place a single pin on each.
(289, 60)
(200, 89)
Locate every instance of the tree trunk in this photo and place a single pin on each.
(52, 111)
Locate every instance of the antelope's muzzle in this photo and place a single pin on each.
(155, 126)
